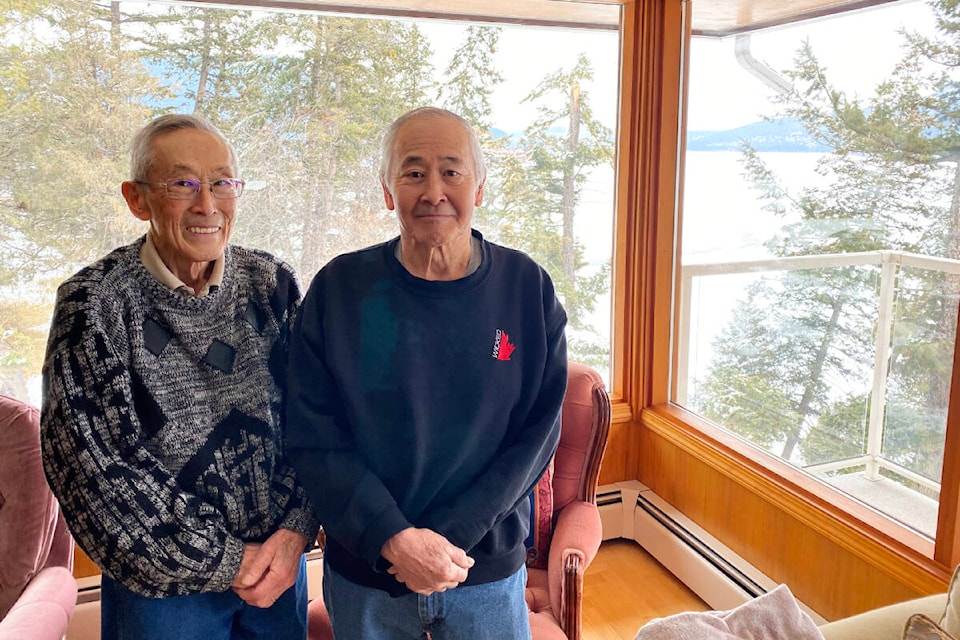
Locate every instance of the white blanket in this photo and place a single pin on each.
(772, 616)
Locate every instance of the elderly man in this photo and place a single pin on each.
(163, 399)
(426, 380)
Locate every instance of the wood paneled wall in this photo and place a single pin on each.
(822, 573)
(83, 566)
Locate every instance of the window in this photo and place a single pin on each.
(818, 280)
(303, 95)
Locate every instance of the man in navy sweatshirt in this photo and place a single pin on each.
(425, 384)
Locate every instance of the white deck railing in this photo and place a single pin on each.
(889, 262)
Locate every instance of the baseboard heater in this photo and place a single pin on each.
(716, 574)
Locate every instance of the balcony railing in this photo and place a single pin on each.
(882, 493)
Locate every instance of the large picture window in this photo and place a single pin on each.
(820, 263)
(303, 95)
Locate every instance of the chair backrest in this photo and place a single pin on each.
(583, 437)
(585, 424)
(33, 534)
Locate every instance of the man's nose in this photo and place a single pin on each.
(205, 202)
(433, 189)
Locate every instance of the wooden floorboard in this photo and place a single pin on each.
(625, 587)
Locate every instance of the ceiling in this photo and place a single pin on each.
(729, 17)
(709, 17)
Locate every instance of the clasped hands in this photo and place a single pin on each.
(425, 561)
(270, 568)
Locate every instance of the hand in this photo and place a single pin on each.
(243, 577)
(269, 569)
(425, 561)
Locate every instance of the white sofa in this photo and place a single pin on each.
(776, 615)
(888, 623)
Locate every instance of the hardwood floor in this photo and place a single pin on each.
(624, 587)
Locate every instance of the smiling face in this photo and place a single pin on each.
(188, 234)
(433, 184)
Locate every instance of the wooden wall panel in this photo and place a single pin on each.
(83, 566)
(829, 577)
(623, 453)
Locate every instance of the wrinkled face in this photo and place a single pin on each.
(433, 184)
(187, 233)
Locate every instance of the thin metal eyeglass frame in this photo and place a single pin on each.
(166, 188)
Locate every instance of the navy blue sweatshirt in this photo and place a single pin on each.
(431, 404)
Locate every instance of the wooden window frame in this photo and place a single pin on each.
(656, 36)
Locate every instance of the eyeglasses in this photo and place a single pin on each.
(188, 189)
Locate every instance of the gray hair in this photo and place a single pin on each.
(390, 139)
(141, 147)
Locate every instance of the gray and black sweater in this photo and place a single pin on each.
(162, 420)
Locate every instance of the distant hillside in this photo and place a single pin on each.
(776, 135)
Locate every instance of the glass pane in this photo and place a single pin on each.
(819, 253)
(303, 97)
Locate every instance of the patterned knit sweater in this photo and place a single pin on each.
(161, 420)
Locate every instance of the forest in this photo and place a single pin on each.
(303, 97)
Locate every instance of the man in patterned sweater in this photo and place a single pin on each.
(163, 404)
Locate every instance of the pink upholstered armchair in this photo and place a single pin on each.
(37, 588)
(567, 530)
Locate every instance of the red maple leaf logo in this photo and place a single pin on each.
(506, 347)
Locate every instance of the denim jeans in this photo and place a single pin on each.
(493, 611)
(125, 615)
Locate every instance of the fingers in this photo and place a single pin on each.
(259, 596)
(279, 577)
(252, 567)
(269, 569)
(425, 561)
(460, 558)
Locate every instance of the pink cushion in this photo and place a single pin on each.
(318, 621)
(543, 622)
(544, 627)
(29, 514)
(574, 452)
(44, 608)
(538, 593)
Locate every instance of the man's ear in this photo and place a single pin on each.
(136, 200)
(478, 200)
(387, 196)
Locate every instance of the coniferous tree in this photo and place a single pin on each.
(892, 185)
(67, 99)
(303, 97)
(541, 178)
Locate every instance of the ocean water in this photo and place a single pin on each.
(723, 220)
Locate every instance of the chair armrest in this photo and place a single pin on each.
(43, 610)
(576, 540)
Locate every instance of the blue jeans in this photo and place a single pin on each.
(125, 615)
(493, 611)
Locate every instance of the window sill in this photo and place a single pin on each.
(899, 552)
